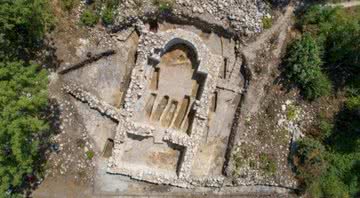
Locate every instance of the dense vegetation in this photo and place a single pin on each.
(304, 67)
(23, 92)
(328, 162)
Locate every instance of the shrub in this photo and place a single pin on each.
(238, 162)
(332, 186)
(108, 16)
(303, 66)
(164, 5)
(267, 164)
(89, 154)
(112, 3)
(309, 160)
(343, 48)
(291, 112)
(317, 19)
(353, 103)
(89, 18)
(69, 4)
(338, 32)
(319, 86)
(326, 129)
(267, 22)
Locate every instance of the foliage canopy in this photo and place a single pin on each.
(23, 91)
(23, 95)
(303, 65)
(336, 31)
(23, 24)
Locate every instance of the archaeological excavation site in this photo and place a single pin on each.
(180, 98)
(172, 99)
(175, 115)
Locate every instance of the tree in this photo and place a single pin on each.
(23, 91)
(343, 47)
(338, 32)
(303, 66)
(23, 98)
(309, 160)
(23, 24)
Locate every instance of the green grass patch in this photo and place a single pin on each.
(292, 112)
(108, 16)
(164, 5)
(89, 154)
(267, 164)
(68, 5)
(89, 18)
(267, 22)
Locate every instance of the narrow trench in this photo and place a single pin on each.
(154, 83)
(237, 54)
(109, 145)
(214, 100)
(150, 105)
(225, 68)
(127, 78)
(182, 112)
(235, 124)
(160, 109)
(169, 115)
(190, 121)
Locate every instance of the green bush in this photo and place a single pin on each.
(112, 3)
(267, 22)
(164, 5)
(89, 18)
(343, 47)
(108, 16)
(318, 20)
(326, 129)
(267, 164)
(309, 160)
(331, 167)
(69, 4)
(338, 32)
(89, 154)
(291, 112)
(303, 67)
(353, 103)
(319, 86)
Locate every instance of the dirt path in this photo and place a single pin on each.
(346, 4)
(261, 58)
(279, 31)
(281, 23)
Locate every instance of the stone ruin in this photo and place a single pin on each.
(165, 116)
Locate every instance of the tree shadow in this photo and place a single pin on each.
(346, 132)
